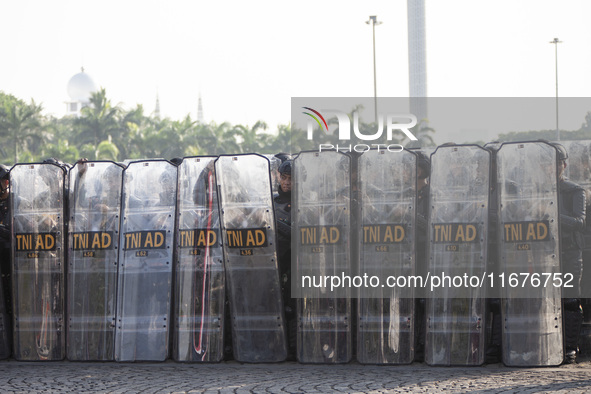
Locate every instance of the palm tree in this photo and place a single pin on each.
(98, 121)
(107, 150)
(282, 142)
(294, 138)
(165, 138)
(251, 139)
(183, 131)
(61, 150)
(217, 139)
(130, 122)
(21, 122)
(424, 136)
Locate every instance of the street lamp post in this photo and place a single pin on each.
(556, 42)
(373, 22)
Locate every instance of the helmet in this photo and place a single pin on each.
(423, 162)
(285, 167)
(176, 161)
(561, 152)
(4, 170)
(283, 156)
(53, 160)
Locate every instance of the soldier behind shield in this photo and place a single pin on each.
(168, 186)
(282, 205)
(572, 223)
(275, 161)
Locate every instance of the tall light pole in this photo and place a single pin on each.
(373, 21)
(556, 42)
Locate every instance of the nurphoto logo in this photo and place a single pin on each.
(393, 123)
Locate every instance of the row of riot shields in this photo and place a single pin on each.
(493, 215)
(158, 255)
(145, 268)
(226, 248)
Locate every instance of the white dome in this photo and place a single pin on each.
(80, 87)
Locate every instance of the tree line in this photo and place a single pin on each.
(104, 131)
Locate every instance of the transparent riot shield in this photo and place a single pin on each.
(94, 205)
(248, 228)
(387, 201)
(199, 289)
(38, 261)
(458, 225)
(320, 248)
(145, 261)
(529, 248)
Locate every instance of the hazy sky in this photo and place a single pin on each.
(248, 58)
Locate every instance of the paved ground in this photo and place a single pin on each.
(232, 377)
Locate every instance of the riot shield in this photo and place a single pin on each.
(529, 247)
(38, 261)
(387, 201)
(321, 247)
(458, 226)
(199, 290)
(94, 206)
(145, 261)
(248, 227)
